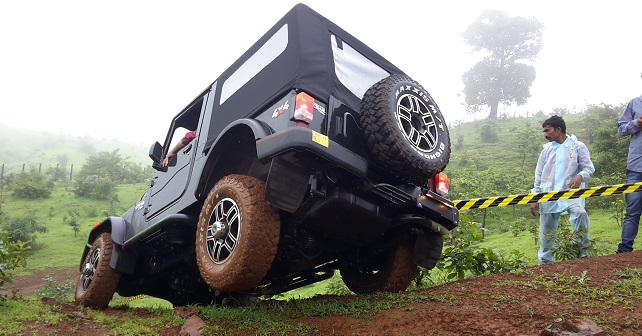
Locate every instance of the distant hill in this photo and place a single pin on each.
(37, 149)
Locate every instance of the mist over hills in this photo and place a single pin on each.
(41, 150)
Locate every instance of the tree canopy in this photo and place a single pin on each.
(99, 175)
(113, 166)
(502, 76)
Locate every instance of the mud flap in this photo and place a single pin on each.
(428, 249)
(286, 185)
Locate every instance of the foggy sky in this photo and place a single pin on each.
(123, 69)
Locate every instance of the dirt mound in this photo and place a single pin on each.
(594, 296)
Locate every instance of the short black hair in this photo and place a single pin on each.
(555, 122)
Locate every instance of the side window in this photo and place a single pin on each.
(178, 135)
(184, 123)
(355, 71)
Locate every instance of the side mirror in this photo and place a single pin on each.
(155, 153)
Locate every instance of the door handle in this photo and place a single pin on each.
(186, 150)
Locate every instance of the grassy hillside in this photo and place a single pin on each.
(505, 164)
(60, 247)
(483, 162)
(33, 149)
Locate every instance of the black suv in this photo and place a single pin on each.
(312, 154)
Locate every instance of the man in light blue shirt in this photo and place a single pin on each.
(630, 123)
(564, 163)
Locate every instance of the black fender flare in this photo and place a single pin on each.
(259, 128)
(118, 228)
(248, 130)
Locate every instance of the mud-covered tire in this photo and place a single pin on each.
(97, 282)
(404, 129)
(237, 235)
(391, 272)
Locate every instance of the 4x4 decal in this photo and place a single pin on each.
(279, 110)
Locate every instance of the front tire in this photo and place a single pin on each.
(98, 281)
(393, 271)
(237, 235)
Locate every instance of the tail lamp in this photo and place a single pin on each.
(441, 184)
(303, 109)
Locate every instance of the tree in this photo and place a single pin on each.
(528, 141)
(502, 76)
(609, 150)
(113, 166)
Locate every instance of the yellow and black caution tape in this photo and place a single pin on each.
(133, 298)
(501, 201)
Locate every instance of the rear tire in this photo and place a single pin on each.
(237, 235)
(98, 281)
(393, 271)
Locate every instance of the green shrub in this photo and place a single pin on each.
(92, 186)
(91, 211)
(488, 134)
(71, 218)
(462, 255)
(521, 224)
(31, 185)
(564, 247)
(12, 255)
(23, 229)
(115, 208)
(460, 142)
(619, 208)
(61, 292)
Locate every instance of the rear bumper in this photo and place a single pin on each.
(303, 139)
(381, 203)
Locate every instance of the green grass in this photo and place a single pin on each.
(604, 230)
(60, 247)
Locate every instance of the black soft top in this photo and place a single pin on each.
(306, 62)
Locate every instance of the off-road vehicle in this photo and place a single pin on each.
(313, 154)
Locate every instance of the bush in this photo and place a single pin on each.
(23, 230)
(521, 224)
(460, 142)
(113, 166)
(565, 248)
(91, 211)
(71, 218)
(31, 185)
(488, 133)
(12, 255)
(101, 188)
(462, 255)
(61, 292)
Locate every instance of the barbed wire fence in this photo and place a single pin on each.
(59, 172)
(26, 167)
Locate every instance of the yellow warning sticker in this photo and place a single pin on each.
(320, 139)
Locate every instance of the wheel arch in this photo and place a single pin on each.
(117, 226)
(238, 142)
